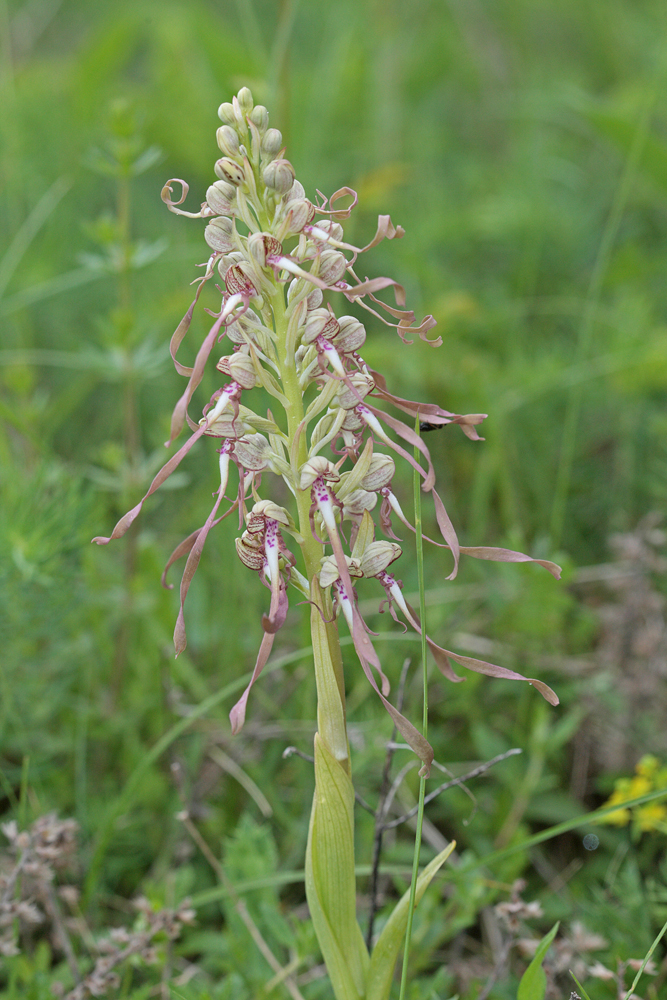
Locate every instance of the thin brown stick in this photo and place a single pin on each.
(450, 784)
(380, 814)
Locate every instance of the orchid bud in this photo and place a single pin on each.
(317, 468)
(247, 324)
(238, 282)
(377, 556)
(352, 422)
(260, 117)
(240, 368)
(219, 234)
(220, 196)
(253, 452)
(352, 334)
(301, 212)
(332, 266)
(358, 501)
(380, 473)
(320, 323)
(262, 244)
(279, 175)
(363, 384)
(271, 510)
(272, 143)
(251, 555)
(244, 97)
(231, 171)
(333, 229)
(228, 140)
(227, 114)
(296, 193)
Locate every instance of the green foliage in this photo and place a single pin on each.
(533, 985)
(498, 136)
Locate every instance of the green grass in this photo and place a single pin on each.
(523, 147)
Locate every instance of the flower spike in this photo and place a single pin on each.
(277, 253)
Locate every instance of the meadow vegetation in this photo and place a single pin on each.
(522, 145)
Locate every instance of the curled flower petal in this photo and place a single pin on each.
(164, 473)
(166, 193)
(415, 740)
(435, 414)
(180, 639)
(180, 410)
(237, 714)
(372, 416)
(180, 332)
(491, 670)
(508, 555)
(338, 213)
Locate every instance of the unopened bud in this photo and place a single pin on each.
(220, 196)
(320, 323)
(380, 473)
(249, 323)
(347, 398)
(253, 452)
(352, 335)
(301, 212)
(272, 143)
(260, 117)
(333, 229)
(332, 266)
(240, 368)
(352, 422)
(377, 556)
(219, 234)
(228, 140)
(279, 175)
(227, 114)
(297, 192)
(317, 468)
(238, 282)
(262, 244)
(358, 501)
(231, 171)
(244, 97)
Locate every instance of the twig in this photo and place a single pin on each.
(228, 764)
(293, 751)
(450, 784)
(380, 814)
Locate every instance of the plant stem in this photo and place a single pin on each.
(422, 781)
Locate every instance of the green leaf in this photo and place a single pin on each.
(385, 952)
(330, 882)
(582, 992)
(533, 983)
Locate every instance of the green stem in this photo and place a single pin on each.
(422, 782)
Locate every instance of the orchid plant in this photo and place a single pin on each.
(334, 445)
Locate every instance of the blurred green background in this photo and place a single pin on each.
(522, 145)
